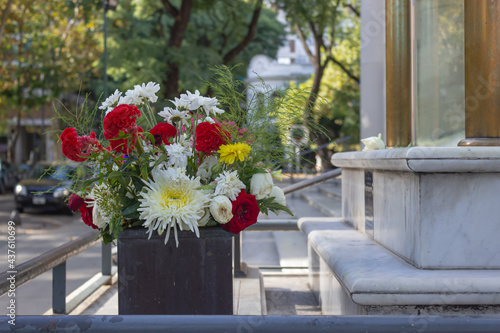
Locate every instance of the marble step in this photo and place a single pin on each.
(330, 191)
(324, 204)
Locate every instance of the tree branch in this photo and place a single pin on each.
(304, 43)
(170, 8)
(353, 9)
(252, 27)
(4, 17)
(344, 68)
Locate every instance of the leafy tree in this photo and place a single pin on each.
(148, 42)
(47, 49)
(333, 99)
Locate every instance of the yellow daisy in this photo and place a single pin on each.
(228, 153)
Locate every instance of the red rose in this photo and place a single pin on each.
(75, 202)
(209, 137)
(121, 118)
(162, 132)
(77, 147)
(245, 213)
(86, 212)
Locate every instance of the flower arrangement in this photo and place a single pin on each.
(193, 169)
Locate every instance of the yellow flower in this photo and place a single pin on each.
(228, 153)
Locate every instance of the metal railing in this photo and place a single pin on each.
(55, 259)
(255, 324)
(277, 225)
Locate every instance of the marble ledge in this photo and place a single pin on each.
(372, 275)
(423, 159)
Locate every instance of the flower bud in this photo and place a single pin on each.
(279, 197)
(261, 185)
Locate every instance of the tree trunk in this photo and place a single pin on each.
(181, 16)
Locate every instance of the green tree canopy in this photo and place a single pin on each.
(143, 45)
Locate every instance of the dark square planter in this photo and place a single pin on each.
(195, 278)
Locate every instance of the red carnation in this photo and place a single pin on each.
(121, 118)
(75, 202)
(77, 147)
(86, 212)
(162, 132)
(209, 137)
(245, 213)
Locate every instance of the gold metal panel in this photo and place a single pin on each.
(482, 72)
(398, 73)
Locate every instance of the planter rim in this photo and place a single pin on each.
(215, 231)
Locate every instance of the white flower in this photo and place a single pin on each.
(181, 104)
(193, 100)
(261, 185)
(170, 200)
(373, 143)
(210, 120)
(210, 106)
(104, 203)
(111, 101)
(131, 97)
(204, 220)
(148, 91)
(205, 168)
(221, 209)
(172, 115)
(229, 184)
(279, 197)
(178, 155)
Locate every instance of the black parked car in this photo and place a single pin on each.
(8, 178)
(46, 187)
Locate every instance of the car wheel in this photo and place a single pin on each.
(20, 209)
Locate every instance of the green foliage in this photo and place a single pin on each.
(139, 33)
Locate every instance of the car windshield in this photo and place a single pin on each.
(58, 172)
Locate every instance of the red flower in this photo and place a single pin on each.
(209, 137)
(86, 212)
(162, 132)
(77, 147)
(75, 202)
(121, 118)
(245, 213)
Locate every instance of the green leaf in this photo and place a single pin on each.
(206, 187)
(131, 211)
(144, 171)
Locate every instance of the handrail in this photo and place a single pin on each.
(260, 324)
(313, 181)
(48, 260)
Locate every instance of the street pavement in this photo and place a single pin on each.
(40, 232)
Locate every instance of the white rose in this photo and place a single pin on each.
(204, 219)
(261, 185)
(373, 143)
(221, 209)
(97, 217)
(279, 196)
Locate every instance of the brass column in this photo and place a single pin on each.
(482, 73)
(398, 73)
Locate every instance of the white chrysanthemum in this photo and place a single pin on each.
(193, 100)
(210, 106)
(172, 116)
(229, 184)
(148, 91)
(170, 200)
(178, 155)
(111, 101)
(205, 168)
